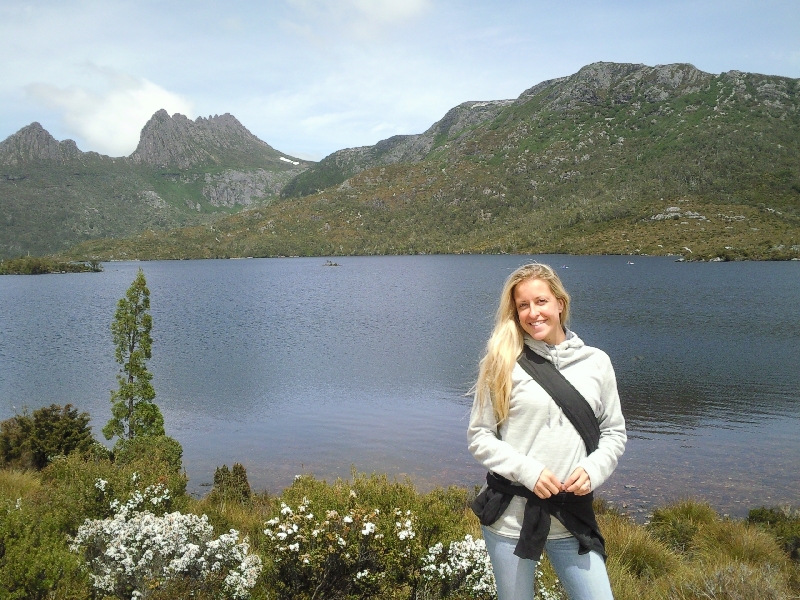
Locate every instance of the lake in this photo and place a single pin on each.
(288, 366)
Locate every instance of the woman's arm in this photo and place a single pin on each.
(599, 465)
(495, 454)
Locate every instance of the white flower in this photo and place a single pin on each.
(368, 528)
(348, 519)
(465, 561)
(134, 549)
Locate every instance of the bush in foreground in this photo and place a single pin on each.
(395, 541)
(782, 522)
(136, 551)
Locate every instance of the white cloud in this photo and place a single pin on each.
(110, 120)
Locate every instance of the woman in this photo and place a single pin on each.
(541, 470)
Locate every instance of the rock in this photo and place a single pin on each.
(34, 143)
(177, 141)
(230, 187)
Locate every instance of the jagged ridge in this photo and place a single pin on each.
(177, 141)
(34, 143)
(593, 85)
(343, 164)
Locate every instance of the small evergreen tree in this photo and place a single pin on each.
(231, 485)
(133, 412)
(31, 441)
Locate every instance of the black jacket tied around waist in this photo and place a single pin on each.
(574, 512)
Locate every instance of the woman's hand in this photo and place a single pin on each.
(578, 483)
(547, 485)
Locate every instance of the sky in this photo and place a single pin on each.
(310, 77)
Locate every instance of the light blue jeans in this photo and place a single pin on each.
(584, 576)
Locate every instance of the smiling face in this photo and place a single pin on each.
(539, 311)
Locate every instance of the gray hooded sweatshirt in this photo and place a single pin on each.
(536, 434)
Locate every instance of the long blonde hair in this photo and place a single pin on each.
(506, 342)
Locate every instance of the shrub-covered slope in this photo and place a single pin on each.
(617, 158)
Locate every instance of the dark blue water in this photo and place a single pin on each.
(288, 366)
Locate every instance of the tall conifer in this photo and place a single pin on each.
(134, 414)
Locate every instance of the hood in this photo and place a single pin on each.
(570, 350)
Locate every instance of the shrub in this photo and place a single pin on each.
(159, 448)
(34, 560)
(336, 554)
(463, 565)
(677, 524)
(31, 441)
(71, 492)
(231, 485)
(135, 551)
(371, 536)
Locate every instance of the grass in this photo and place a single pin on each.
(18, 484)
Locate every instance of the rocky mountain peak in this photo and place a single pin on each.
(621, 82)
(177, 141)
(34, 143)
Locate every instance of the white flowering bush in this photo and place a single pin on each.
(327, 553)
(463, 569)
(461, 566)
(135, 551)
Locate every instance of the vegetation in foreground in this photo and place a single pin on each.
(41, 265)
(68, 532)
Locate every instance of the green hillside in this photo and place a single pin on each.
(617, 158)
(184, 172)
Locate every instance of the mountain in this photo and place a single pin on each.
(616, 158)
(33, 143)
(53, 195)
(341, 165)
(179, 142)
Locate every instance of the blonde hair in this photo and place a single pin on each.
(506, 342)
